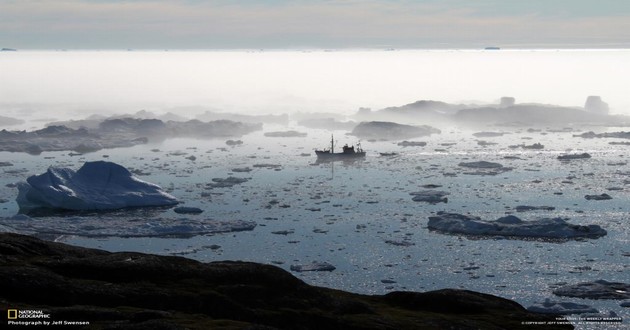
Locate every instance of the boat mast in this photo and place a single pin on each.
(332, 144)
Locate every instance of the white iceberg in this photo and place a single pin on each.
(512, 226)
(96, 185)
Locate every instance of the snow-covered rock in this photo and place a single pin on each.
(512, 226)
(96, 185)
(555, 307)
(599, 289)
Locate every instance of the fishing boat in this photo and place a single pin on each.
(349, 152)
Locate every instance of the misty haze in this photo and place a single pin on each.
(376, 172)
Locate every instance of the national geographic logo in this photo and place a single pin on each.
(14, 314)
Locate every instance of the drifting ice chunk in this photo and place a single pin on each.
(512, 226)
(430, 196)
(95, 186)
(599, 289)
(313, 267)
(555, 307)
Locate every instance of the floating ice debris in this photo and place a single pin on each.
(226, 183)
(484, 168)
(233, 142)
(601, 197)
(616, 135)
(285, 134)
(535, 146)
(315, 266)
(412, 144)
(486, 143)
(121, 225)
(574, 156)
(430, 196)
(400, 242)
(488, 134)
(512, 226)
(6, 229)
(555, 307)
(599, 289)
(268, 166)
(524, 208)
(481, 164)
(241, 169)
(187, 210)
(96, 185)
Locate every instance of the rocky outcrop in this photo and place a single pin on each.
(595, 104)
(141, 291)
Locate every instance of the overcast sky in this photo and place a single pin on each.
(198, 24)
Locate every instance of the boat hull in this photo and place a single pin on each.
(327, 155)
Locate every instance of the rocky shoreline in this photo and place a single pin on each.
(142, 291)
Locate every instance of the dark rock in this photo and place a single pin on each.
(164, 292)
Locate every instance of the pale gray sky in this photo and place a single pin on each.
(219, 24)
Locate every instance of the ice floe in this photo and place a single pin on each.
(574, 156)
(484, 168)
(430, 196)
(512, 226)
(599, 289)
(556, 307)
(315, 266)
(601, 197)
(123, 225)
(96, 185)
(187, 210)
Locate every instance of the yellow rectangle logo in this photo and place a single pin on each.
(12, 314)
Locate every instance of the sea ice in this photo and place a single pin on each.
(601, 197)
(512, 226)
(187, 210)
(556, 307)
(599, 289)
(430, 196)
(96, 185)
(315, 266)
(108, 225)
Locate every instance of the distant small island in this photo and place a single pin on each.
(8, 50)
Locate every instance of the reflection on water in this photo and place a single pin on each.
(359, 215)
